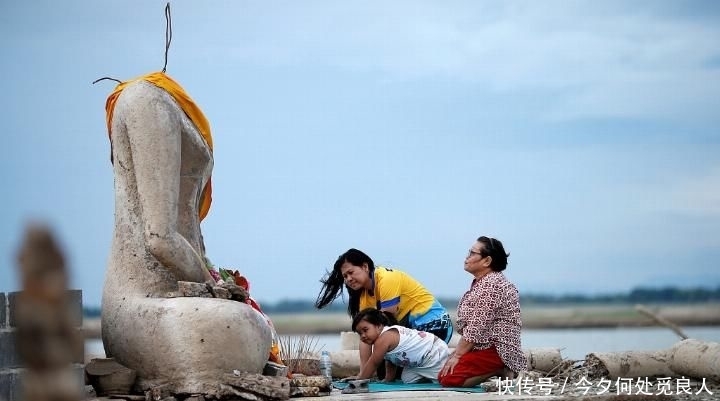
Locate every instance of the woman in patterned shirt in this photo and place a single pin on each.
(488, 320)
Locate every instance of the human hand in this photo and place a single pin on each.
(450, 364)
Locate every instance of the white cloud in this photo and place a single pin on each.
(587, 60)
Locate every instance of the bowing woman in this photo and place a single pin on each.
(385, 289)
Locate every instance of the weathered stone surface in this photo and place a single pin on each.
(236, 293)
(274, 387)
(190, 289)
(157, 393)
(543, 358)
(128, 397)
(617, 365)
(696, 358)
(90, 392)
(161, 165)
(220, 292)
(231, 393)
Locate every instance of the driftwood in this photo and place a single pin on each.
(543, 359)
(695, 358)
(662, 321)
(46, 339)
(616, 365)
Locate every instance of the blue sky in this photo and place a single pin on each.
(584, 135)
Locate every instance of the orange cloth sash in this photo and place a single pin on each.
(162, 81)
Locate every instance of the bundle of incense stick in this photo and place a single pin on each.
(295, 348)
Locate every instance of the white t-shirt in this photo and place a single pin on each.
(420, 354)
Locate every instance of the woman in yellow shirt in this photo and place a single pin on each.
(385, 289)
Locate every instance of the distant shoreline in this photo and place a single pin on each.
(534, 317)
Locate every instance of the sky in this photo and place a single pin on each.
(584, 135)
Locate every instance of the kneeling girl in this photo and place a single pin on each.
(420, 354)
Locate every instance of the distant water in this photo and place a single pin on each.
(574, 343)
(577, 343)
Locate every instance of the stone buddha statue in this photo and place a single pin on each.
(162, 161)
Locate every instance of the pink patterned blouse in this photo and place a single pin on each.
(489, 315)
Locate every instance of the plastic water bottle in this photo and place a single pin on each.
(326, 365)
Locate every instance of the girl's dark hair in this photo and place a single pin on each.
(374, 317)
(333, 283)
(494, 248)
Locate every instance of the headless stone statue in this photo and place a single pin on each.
(161, 164)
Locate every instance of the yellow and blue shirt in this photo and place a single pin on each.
(393, 287)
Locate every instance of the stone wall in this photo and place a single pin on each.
(11, 366)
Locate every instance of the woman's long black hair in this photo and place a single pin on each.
(333, 283)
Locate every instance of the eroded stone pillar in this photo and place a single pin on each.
(48, 339)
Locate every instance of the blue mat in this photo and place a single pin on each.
(377, 387)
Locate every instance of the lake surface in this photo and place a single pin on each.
(573, 343)
(577, 343)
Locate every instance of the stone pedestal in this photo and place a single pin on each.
(186, 343)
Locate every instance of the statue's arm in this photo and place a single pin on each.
(155, 143)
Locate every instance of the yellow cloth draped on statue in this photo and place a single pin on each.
(161, 80)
